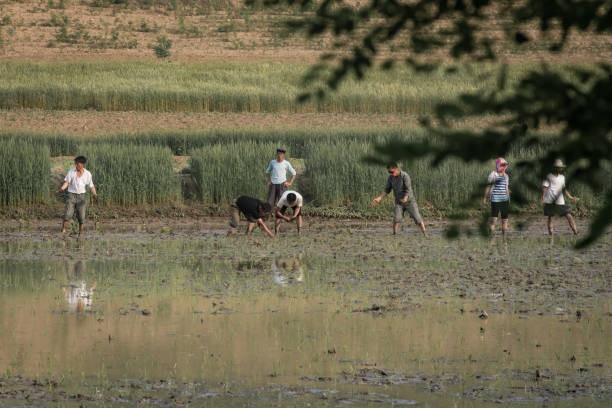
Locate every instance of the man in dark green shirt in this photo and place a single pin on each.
(399, 182)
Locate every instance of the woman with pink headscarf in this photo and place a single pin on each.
(498, 193)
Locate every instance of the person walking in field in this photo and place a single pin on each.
(278, 183)
(254, 210)
(289, 199)
(399, 182)
(76, 181)
(553, 191)
(498, 192)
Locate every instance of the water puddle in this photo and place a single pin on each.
(143, 325)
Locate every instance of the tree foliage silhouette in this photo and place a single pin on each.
(574, 101)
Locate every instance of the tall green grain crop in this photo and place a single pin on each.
(132, 175)
(24, 172)
(223, 172)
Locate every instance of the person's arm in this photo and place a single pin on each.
(92, 188)
(382, 195)
(290, 181)
(376, 200)
(568, 195)
(296, 213)
(279, 214)
(407, 186)
(292, 172)
(66, 182)
(544, 192)
(487, 191)
(269, 173)
(263, 226)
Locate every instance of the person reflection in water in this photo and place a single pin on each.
(78, 296)
(287, 270)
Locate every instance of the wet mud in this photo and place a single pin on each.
(154, 313)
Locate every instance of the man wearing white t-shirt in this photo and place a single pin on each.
(77, 179)
(289, 199)
(553, 191)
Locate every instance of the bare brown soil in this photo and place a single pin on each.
(31, 31)
(32, 34)
(93, 123)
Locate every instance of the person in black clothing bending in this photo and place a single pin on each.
(254, 210)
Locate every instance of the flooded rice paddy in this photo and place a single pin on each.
(346, 314)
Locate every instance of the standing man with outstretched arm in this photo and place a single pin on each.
(399, 182)
(277, 169)
(77, 179)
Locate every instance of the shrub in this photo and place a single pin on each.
(162, 48)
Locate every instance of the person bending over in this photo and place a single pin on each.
(289, 199)
(254, 210)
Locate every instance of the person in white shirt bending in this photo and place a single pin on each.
(75, 182)
(278, 183)
(289, 199)
(553, 191)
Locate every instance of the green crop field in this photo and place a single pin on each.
(332, 174)
(225, 87)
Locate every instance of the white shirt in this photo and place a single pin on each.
(76, 184)
(555, 185)
(282, 202)
(279, 171)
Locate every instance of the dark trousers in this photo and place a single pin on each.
(275, 191)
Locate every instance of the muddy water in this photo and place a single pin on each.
(190, 318)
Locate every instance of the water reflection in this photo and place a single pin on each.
(286, 271)
(78, 296)
(323, 335)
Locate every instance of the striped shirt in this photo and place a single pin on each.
(499, 187)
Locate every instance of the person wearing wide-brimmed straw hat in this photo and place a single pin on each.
(498, 192)
(553, 192)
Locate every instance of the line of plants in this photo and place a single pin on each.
(24, 172)
(185, 142)
(331, 173)
(222, 172)
(221, 87)
(133, 175)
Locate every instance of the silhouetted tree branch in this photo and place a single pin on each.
(573, 101)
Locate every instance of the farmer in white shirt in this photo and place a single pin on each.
(289, 199)
(77, 179)
(277, 169)
(553, 190)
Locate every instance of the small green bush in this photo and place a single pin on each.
(162, 47)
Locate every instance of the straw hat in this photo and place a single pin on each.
(558, 163)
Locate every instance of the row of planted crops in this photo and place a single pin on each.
(132, 170)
